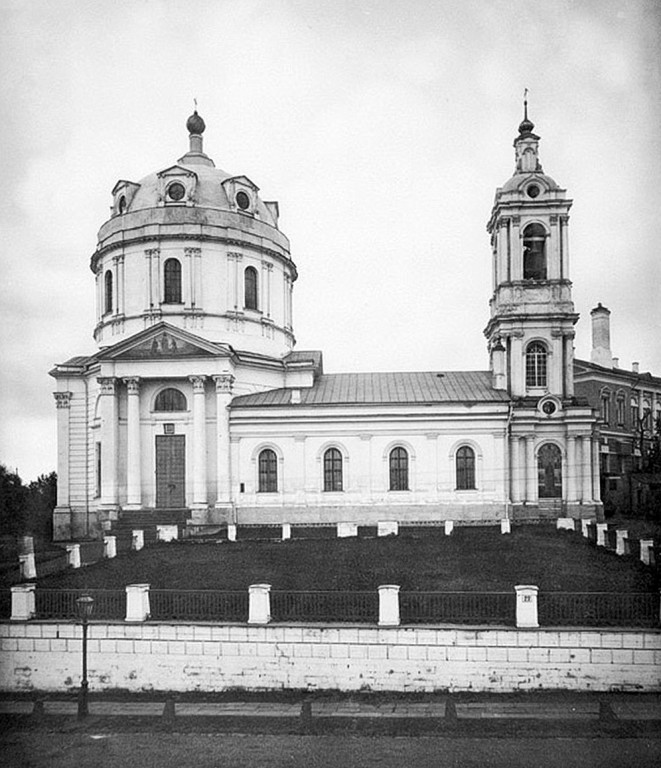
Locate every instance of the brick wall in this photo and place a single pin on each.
(186, 657)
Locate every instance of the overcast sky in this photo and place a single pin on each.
(383, 129)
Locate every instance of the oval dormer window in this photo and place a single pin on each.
(533, 190)
(176, 191)
(242, 200)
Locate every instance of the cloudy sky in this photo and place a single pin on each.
(383, 128)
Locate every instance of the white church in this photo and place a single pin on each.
(197, 403)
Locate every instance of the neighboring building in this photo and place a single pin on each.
(629, 404)
(197, 402)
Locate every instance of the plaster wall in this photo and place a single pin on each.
(188, 657)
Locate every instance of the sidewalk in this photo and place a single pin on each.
(486, 714)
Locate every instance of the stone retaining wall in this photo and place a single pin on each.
(187, 657)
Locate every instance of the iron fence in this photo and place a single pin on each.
(325, 606)
(61, 603)
(5, 603)
(198, 605)
(457, 607)
(598, 609)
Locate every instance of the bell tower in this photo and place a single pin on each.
(530, 332)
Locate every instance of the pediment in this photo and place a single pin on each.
(241, 181)
(164, 342)
(175, 170)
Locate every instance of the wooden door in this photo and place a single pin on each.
(170, 471)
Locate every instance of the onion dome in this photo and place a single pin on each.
(195, 124)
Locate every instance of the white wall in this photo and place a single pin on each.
(183, 657)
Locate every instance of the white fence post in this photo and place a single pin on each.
(27, 566)
(231, 532)
(345, 530)
(564, 524)
(506, 525)
(73, 555)
(109, 546)
(646, 545)
(449, 525)
(137, 602)
(620, 536)
(167, 532)
(389, 605)
(526, 606)
(22, 602)
(137, 539)
(286, 531)
(387, 528)
(585, 528)
(259, 606)
(602, 528)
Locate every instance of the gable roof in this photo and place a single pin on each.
(383, 388)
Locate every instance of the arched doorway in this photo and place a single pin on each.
(549, 469)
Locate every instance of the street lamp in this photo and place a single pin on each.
(85, 605)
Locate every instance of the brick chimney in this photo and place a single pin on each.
(601, 337)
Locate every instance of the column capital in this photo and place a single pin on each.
(132, 385)
(224, 383)
(192, 251)
(152, 251)
(62, 399)
(504, 222)
(118, 258)
(234, 256)
(198, 383)
(267, 264)
(107, 384)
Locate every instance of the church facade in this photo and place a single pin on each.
(197, 401)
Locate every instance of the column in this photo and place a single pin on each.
(299, 469)
(137, 602)
(188, 284)
(109, 428)
(23, 602)
(564, 247)
(267, 269)
(63, 403)
(568, 352)
(553, 266)
(516, 254)
(586, 469)
(572, 479)
(133, 454)
(197, 275)
(259, 606)
(531, 471)
(224, 382)
(199, 441)
(516, 470)
(517, 381)
(596, 470)
(118, 263)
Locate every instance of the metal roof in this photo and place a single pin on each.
(392, 388)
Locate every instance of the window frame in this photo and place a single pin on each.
(333, 470)
(108, 292)
(267, 471)
(172, 282)
(162, 397)
(536, 365)
(464, 468)
(398, 469)
(535, 266)
(251, 289)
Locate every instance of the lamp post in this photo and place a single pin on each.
(85, 605)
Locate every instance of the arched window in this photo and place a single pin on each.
(536, 355)
(549, 468)
(465, 461)
(332, 470)
(107, 295)
(170, 400)
(534, 252)
(606, 407)
(250, 288)
(620, 410)
(399, 470)
(172, 281)
(268, 471)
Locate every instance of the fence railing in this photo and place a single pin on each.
(458, 607)
(192, 605)
(524, 607)
(61, 603)
(598, 609)
(325, 606)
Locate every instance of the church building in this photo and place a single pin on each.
(198, 404)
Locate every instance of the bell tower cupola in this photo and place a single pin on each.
(530, 330)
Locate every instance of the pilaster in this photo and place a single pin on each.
(133, 458)
(109, 440)
(199, 441)
(224, 383)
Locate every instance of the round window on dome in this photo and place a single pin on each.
(176, 191)
(533, 190)
(242, 200)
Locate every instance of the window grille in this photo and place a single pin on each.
(399, 470)
(107, 307)
(172, 282)
(268, 471)
(465, 461)
(332, 470)
(170, 400)
(536, 355)
(250, 288)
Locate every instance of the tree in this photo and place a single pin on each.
(13, 495)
